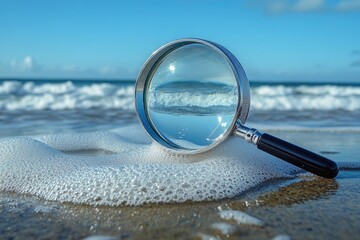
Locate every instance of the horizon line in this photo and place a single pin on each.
(65, 79)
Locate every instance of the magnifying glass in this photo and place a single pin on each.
(192, 94)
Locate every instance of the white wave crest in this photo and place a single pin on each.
(15, 95)
(326, 97)
(60, 96)
(188, 99)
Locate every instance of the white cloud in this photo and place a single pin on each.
(303, 6)
(28, 63)
(348, 5)
(107, 70)
(104, 70)
(29, 67)
(69, 68)
(277, 6)
(308, 5)
(13, 63)
(283, 6)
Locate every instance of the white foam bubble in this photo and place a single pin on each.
(137, 172)
(203, 236)
(241, 217)
(100, 237)
(44, 209)
(282, 237)
(224, 228)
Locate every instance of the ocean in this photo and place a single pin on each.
(75, 163)
(29, 107)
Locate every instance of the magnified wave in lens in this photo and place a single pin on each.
(193, 97)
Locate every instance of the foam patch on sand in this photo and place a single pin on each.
(133, 171)
(240, 217)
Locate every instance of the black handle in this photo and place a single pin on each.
(298, 156)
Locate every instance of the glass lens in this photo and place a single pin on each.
(192, 97)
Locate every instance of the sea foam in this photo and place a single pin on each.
(133, 171)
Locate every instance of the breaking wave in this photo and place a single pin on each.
(16, 95)
(306, 97)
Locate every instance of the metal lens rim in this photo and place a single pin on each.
(146, 74)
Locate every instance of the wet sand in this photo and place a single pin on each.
(305, 207)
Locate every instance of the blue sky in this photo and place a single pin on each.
(281, 40)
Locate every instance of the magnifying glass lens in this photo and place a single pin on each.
(192, 97)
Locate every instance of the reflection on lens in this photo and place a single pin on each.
(192, 97)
